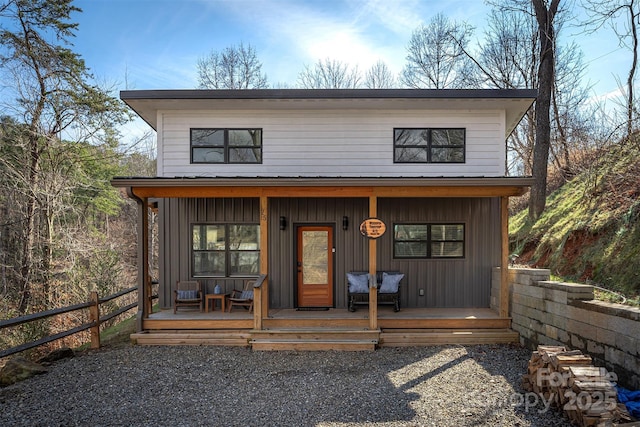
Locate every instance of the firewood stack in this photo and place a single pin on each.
(568, 379)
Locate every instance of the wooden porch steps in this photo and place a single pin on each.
(315, 339)
(424, 337)
(236, 337)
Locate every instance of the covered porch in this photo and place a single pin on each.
(270, 328)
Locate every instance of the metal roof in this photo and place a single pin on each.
(328, 94)
(188, 181)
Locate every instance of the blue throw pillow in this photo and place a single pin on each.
(358, 283)
(182, 295)
(390, 283)
(246, 295)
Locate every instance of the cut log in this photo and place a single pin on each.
(584, 392)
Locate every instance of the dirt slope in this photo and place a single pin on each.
(590, 230)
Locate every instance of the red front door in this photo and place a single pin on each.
(315, 266)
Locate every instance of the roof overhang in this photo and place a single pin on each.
(321, 187)
(515, 102)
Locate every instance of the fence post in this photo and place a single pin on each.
(149, 295)
(94, 317)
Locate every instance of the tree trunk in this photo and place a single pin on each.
(26, 268)
(544, 16)
(27, 257)
(632, 72)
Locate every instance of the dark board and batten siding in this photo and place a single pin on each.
(446, 283)
(351, 248)
(177, 215)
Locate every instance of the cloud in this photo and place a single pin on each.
(399, 18)
(616, 96)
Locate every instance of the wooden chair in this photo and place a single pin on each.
(243, 298)
(187, 293)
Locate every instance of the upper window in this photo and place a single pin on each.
(225, 250)
(429, 145)
(226, 145)
(428, 241)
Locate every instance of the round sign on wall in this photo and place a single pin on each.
(372, 228)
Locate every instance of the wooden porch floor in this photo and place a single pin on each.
(384, 312)
(419, 318)
(336, 329)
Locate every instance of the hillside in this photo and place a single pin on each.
(590, 230)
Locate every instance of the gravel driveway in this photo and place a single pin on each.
(226, 386)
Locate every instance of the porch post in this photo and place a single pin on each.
(373, 292)
(143, 257)
(504, 256)
(263, 310)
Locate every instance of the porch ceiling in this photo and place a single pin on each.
(186, 187)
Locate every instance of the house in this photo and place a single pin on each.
(281, 185)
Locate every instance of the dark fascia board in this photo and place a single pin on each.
(125, 182)
(328, 94)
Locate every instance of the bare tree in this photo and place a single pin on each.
(232, 68)
(571, 122)
(379, 77)
(606, 13)
(436, 57)
(506, 67)
(508, 60)
(329, 74)
(545, 13)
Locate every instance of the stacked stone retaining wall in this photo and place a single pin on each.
(555, 313)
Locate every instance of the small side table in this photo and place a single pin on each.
(213, 298)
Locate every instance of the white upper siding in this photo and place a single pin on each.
(332, 142)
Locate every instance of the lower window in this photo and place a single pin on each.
(428, 241)
(225, 250)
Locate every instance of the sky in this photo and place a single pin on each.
(155, 44)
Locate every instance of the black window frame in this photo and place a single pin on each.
(429, 240)
(429, 147)
(228, 251)
(226, 145)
